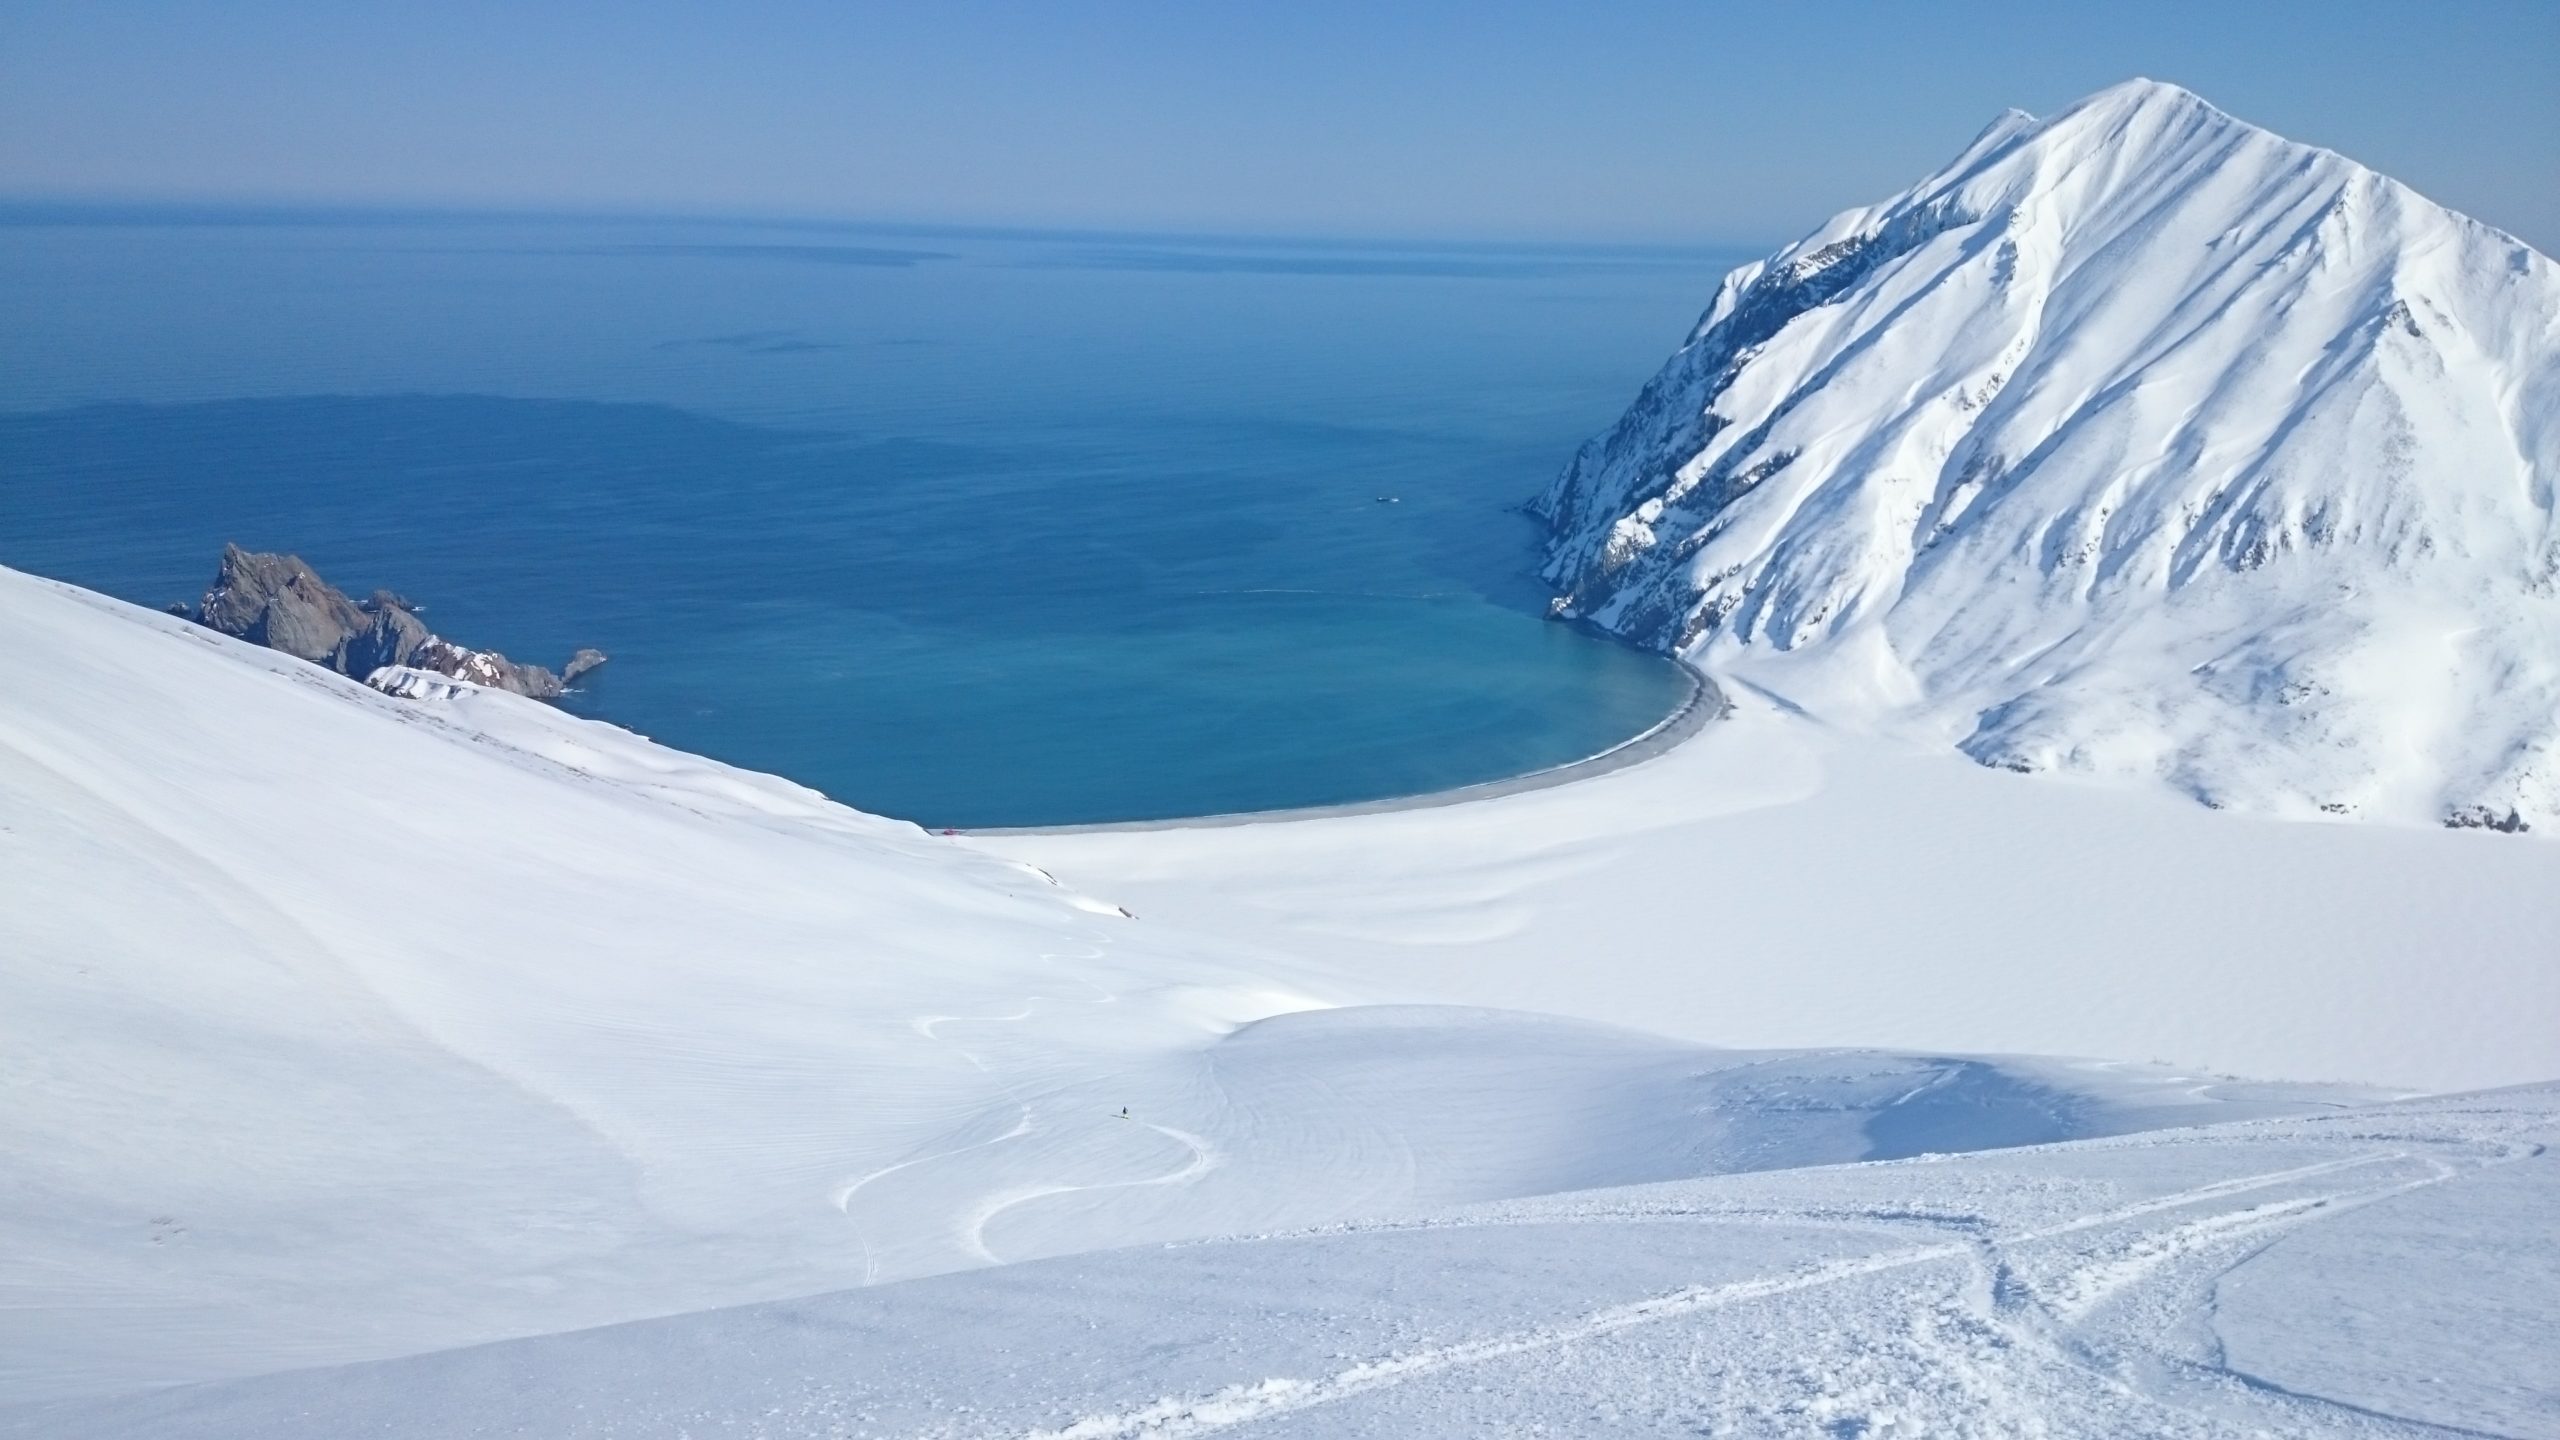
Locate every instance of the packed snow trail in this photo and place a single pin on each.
(1270, 1398)
(2004, 1304)
(2062, 1291)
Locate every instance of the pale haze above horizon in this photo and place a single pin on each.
(1642, 122)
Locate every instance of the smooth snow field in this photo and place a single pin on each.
(1775, 882)
(341, 1029)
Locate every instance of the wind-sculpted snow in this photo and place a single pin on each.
(2137, 442)
(2142, 1286)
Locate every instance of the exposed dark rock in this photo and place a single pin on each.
(281, 603)
(392, 635)
(2482, 817)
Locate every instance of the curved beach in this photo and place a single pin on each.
(1704, 702)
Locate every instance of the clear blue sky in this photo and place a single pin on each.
(1635, 121)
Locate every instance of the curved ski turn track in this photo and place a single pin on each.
(976, 1212)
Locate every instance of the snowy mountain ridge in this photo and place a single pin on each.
(2138, 442)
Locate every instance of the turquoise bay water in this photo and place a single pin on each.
(965, 527)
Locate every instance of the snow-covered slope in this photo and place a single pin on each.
(334, 1024)
(1774, 882)
(2138, 442)
(337, 1026)
(2372, 1272)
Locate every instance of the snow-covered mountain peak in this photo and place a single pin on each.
(2121, 118)
(2138, 440)
(2141, 98)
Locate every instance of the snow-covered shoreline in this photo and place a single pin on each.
(1789, 884)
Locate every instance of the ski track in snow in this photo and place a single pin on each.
(1265, 1399)
(2046, 1322)
(1203, 1157)
(970, 1231)
(930, 1027)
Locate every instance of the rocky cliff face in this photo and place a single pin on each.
(2138, 441)
(281, 603)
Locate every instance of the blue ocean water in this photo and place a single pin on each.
(974, 528)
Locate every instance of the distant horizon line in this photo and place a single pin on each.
(37, 209)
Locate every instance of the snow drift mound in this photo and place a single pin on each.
(2137, 442)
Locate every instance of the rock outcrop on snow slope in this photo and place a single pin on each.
(2139, 442)
(281, 603)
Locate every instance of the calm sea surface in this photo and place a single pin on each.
(970, 528)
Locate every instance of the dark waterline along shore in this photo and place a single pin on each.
(1705, 702)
